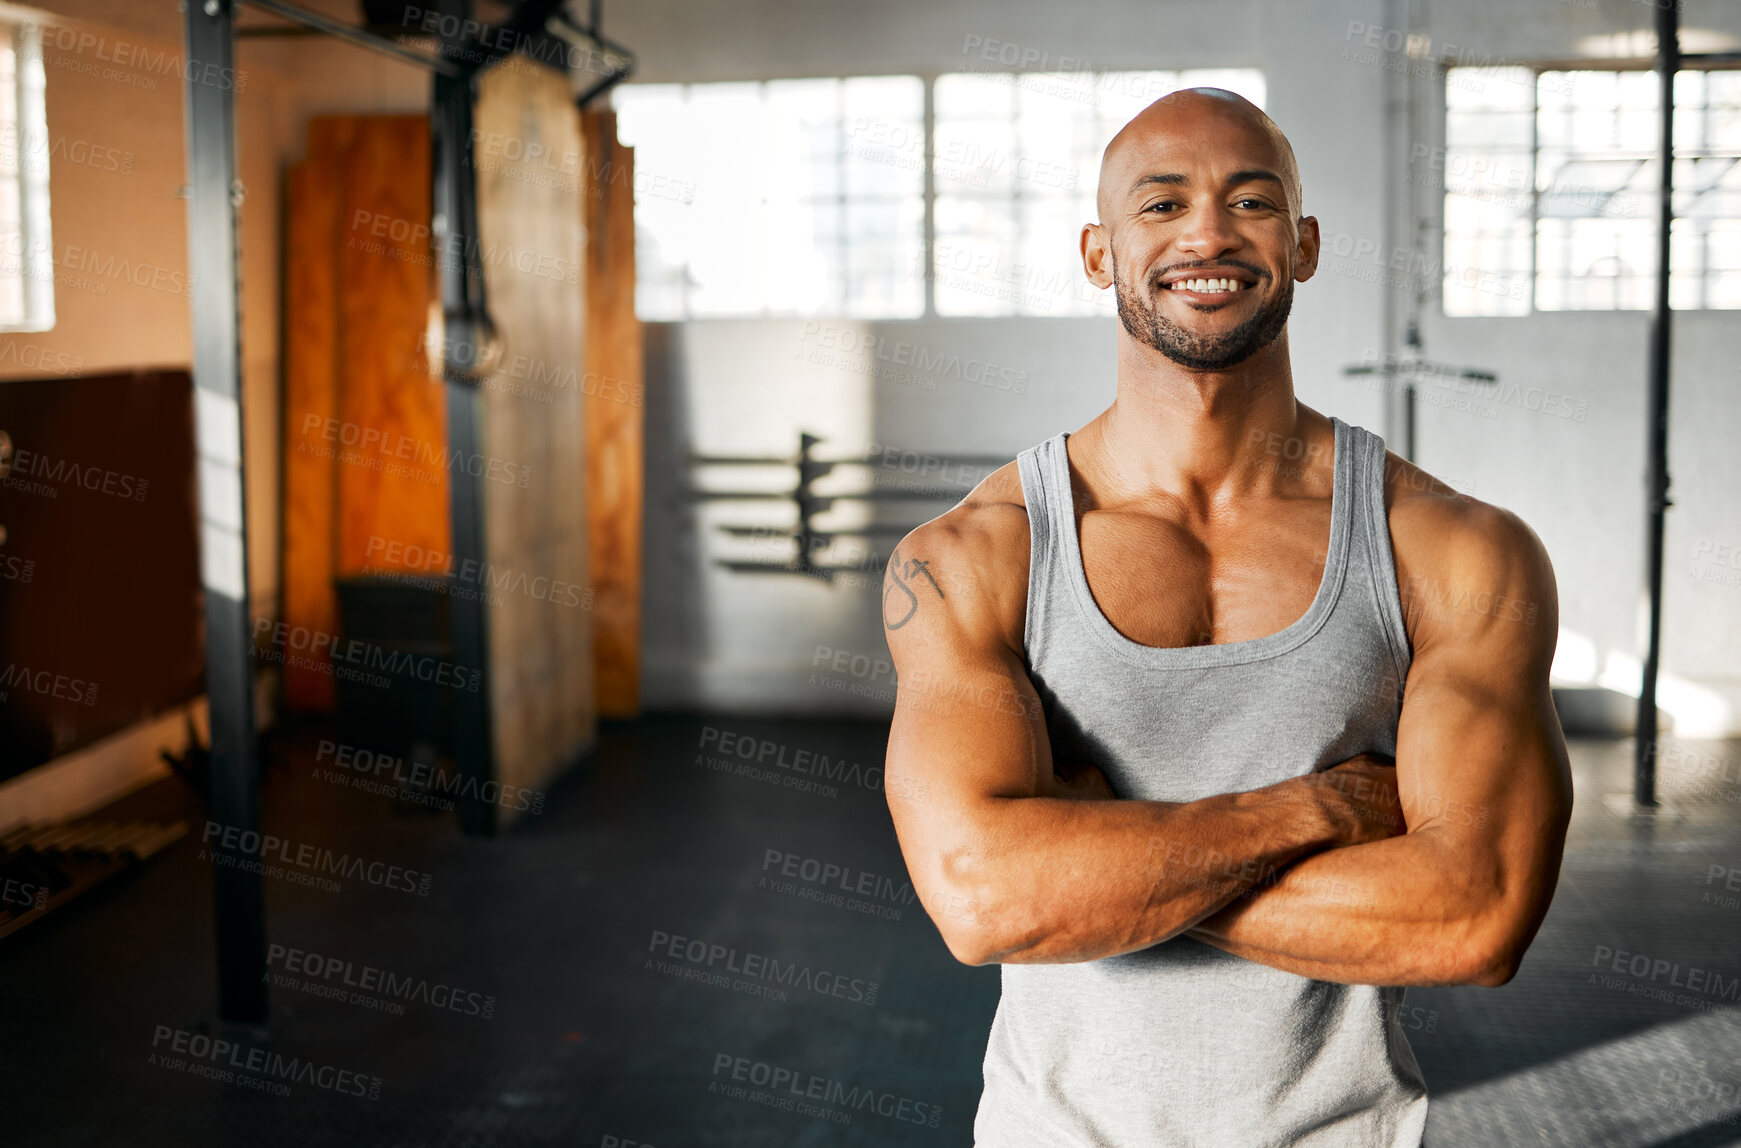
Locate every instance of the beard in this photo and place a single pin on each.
(1146, 325)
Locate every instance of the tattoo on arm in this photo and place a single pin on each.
(906, 603)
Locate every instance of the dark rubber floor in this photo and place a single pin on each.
(597, 937)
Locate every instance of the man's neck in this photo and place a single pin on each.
(1202, 436)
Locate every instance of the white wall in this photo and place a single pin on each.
(716, 638)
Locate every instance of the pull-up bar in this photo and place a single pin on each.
(362, 37)
(462, 57)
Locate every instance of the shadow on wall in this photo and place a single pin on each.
(1594, 711)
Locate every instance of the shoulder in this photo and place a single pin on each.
(966, 569)
(1465, 567)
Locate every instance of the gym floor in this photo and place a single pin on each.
(573, 934)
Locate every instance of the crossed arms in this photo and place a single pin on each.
(1435, 871)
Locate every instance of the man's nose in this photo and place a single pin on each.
(1208, 233)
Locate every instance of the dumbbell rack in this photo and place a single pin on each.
(42, 867)
(808, 504)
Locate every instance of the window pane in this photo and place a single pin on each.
(1594, 264)
(26, 241)
(885, 250)
(14, 160)
(1017, 164)
(1490, 125)
(1494, 89)
(807, 196)
(1591, 192)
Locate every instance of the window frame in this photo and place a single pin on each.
(927, 249)
(1534, 270)
(842, 200)
(36, 263)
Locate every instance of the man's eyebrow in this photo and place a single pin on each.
(1164, 177)
(1256, 173)
(1238, 177)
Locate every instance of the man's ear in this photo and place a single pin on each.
(1307, 264)
(1097, 254)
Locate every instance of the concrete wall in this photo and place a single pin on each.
(717, 638)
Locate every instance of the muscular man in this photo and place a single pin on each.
(1218, 724)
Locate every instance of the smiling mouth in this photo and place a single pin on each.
(1207, 286)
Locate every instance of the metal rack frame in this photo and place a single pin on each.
(214, 195)
(807, 504)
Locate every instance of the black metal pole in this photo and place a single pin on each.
(238, 906)
(465, 334)
(1656, 414)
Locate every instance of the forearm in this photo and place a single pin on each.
(1411, 910)
(1054, 880)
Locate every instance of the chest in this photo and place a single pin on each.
(1161, 581)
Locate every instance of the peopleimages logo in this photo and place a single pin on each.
(832, 883)
(48, 683)
(346, 980)
(1655, 977)
(923, 362)
(97, 479)
(675, 954)
(233, 847)
(800, 1087)
(421, 775)
(375, 448)
(762, 751)
(471, 575)
(233, 1063)
(353, 656)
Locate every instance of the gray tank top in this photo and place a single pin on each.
(1181, 1043)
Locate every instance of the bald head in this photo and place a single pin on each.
(1184, 116)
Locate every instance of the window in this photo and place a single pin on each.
(1017, 161)
(1550, 191)
(26, 247)
(808, 197)
(760, 199)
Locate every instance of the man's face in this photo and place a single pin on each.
(1205, 244)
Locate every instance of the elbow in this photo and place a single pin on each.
(1492, 968)
(1486, 946)
(967, 948)
(967, 912)
(965, 931)
(967, 928)
(1487, 957)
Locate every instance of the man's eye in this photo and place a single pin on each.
(1257, 203)
(1165, 203)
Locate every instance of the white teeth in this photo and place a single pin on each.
(1208, 286)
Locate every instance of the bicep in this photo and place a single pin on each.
(1481, 761)
(1479, 757)
(968, 729)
